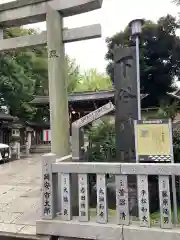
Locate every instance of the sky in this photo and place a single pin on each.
(113, 17)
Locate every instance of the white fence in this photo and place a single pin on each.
(58, 206)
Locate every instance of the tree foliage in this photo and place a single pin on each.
(16, 78)
(74, 75)
(102, 143)
(168, 111)
(24, 74)
(92, 80)
(159, 56)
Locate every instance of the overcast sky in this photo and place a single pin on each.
(114, 16)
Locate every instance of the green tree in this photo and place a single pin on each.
(40, 70)
(165, 111)
(74, 75)
(15, 87)
(91, 80)
(24, 74)
(20, 71)
(159, 56)
(102, 143)
(168, 111)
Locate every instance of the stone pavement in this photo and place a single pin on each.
(20, 197)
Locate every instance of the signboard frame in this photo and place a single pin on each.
(152, 157)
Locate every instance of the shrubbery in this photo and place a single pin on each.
(102, 147)
(102, 143)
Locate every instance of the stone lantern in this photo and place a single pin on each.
(16, 137)
(28, 140)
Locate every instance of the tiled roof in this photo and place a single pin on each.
(4, 116)
(82, 96)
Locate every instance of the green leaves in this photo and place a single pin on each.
(24, 74)
(17, 78)
(73, 73)
(91, 80)
(159, 56)
(102, 143)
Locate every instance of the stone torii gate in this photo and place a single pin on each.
(22, 12)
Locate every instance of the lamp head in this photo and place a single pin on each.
(136, 26)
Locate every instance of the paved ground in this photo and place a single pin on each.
(20, 196)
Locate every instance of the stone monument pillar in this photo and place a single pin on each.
(126, 102)
(126, 112)
(57, 84)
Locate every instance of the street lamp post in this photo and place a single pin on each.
(136, 29)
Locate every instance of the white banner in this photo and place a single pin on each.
(46, 135)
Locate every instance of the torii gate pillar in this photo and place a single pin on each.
(57, 84)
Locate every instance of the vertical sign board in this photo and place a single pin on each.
(165, 202)
(125, 101)
(154, 141)
(122, 202)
